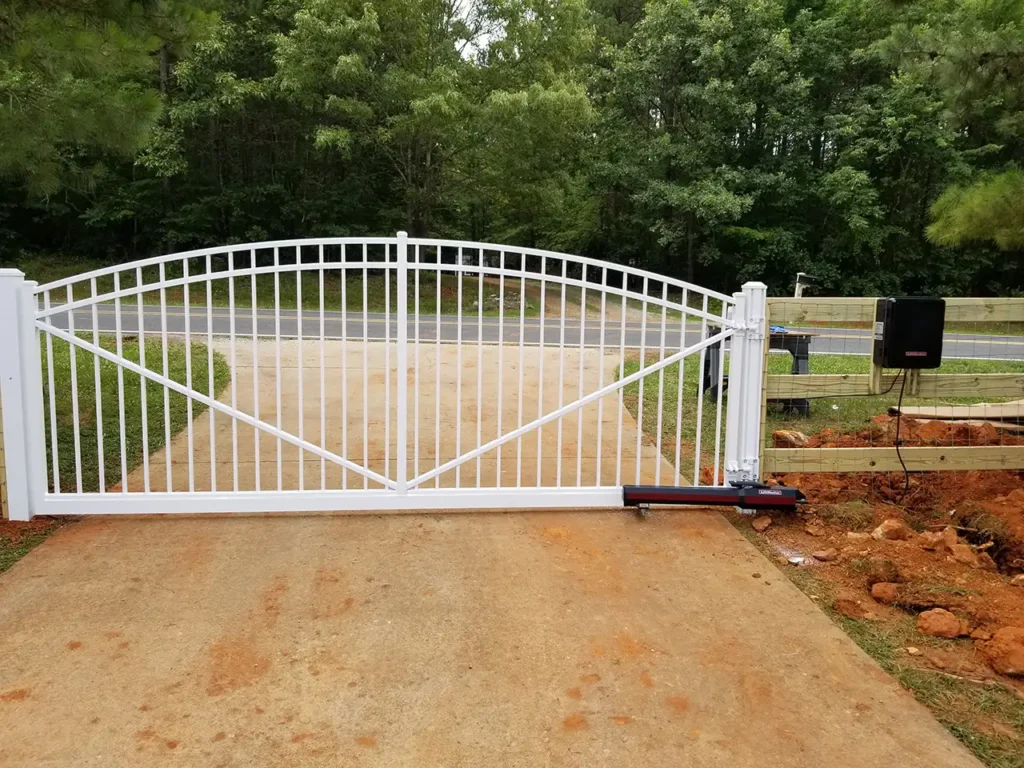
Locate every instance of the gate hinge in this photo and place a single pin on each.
(755, 329)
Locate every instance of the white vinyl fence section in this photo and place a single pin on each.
(370, 374)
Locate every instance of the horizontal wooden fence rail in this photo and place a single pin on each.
(789, 311)
(858, 313)
(884, 459)
(931, 385)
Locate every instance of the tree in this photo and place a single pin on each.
(874, 144)
(384, 80)
(76, 81)
(702, 93)
(974, 52)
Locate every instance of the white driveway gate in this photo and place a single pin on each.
(370, 374)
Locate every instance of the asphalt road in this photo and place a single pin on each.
(375, 327)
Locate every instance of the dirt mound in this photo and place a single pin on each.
(989, 504)
(915, 432)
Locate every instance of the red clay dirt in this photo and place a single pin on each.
(914, 432)
(986, 509)
(16, 531)
(933, 499)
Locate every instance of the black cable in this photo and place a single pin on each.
(876, 394)
(896, 439)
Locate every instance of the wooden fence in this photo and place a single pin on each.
(962, 316)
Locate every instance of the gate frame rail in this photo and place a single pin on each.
(21, 389)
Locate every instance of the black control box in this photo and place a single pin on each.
(908, 332)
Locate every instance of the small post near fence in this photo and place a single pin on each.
(746, 377)
(20, 394)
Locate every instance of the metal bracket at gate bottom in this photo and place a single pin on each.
(746, 495)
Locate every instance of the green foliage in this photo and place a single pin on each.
(991, 208)
(973, 53)
(876, 145)
(78, 81)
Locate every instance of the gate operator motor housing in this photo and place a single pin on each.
(908, 332)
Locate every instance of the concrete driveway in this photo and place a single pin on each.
(543, 639)
(450, 415)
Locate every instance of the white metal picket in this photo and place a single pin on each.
(405, 462)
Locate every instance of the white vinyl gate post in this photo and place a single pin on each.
(746, 371)
(21, 390)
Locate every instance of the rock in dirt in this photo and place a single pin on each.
(882, 570)
(825, 555)
(912, 650)
(963, 553)
(938, 622)
(914, 597)
(1016, 496)
(1005, 651)
(930, 540)
(1017, 581)
(981, 634)
(885, 592)
(949, 537)
(851, 606)
(789, 438)
(857, 536)
(932, 431)
(814, 528)
(893, 530)
(760, 524)
(986, 563)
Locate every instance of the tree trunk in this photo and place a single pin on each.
(165, 74)
(691, 250)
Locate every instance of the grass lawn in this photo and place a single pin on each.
(693, 301)
(688, 432)
(87, 411)
(11, 550)
(18, 539)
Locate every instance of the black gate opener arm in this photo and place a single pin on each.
(746, 495)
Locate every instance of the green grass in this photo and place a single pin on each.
(647, 391)
(87, 411)
(850, 515)
(987, 719)
(12, 550)
(845, 414)
(693, 301)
